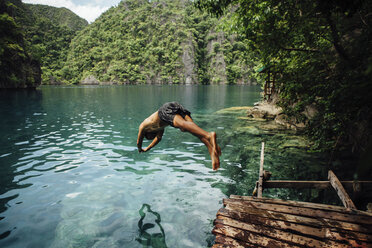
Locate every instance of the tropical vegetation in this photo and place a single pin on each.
(321, 53)
(165, 41)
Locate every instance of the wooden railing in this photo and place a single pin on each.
(339, 186)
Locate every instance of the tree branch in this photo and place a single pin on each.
(336, 39)
(300, 49)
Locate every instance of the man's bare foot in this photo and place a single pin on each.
(214, 153)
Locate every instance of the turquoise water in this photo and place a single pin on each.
(71, 175)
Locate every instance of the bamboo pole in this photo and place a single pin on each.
(336, 184)
(298, 184)
(260, 178)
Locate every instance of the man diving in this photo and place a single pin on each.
(174, 114)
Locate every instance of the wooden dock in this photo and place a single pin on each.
(262, 222)
(247, 221)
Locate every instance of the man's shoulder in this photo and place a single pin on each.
(152, 119)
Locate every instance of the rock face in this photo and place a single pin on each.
(264, 110)
(189, 63)
(90, 80)
(19, 73)
(217, 63)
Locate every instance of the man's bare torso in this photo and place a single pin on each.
(153, 123)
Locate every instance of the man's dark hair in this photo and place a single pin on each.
(150, 135)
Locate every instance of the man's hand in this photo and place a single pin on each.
(140, 138)
(145, 150)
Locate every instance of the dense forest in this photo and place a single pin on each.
(321, 54)
(156, 42)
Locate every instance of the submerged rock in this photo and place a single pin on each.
(264, 110)
(289, 123)
(234, 110)
(250, 130)
(270, 111)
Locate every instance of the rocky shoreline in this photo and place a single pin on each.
(270, 111)
(264, 111)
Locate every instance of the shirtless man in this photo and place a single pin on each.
(174, 114)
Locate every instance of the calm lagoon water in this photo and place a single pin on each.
(71, 175)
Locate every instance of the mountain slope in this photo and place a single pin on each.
(49, 31)
(155, 42)
(59, 16)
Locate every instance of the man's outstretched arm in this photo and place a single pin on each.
(140, 138)
(155, 141)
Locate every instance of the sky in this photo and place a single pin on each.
(89, 10)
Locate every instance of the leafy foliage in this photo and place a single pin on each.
(321, 52)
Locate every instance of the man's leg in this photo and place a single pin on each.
(209, 139)
(204, 140)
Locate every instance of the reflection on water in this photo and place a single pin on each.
(151, 233)
(71, 176)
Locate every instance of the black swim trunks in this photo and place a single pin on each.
(169, 110)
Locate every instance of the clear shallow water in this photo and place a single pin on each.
(71, 175)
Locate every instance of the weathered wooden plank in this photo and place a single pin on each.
(302, 211)
(338, 209)
(256, 212)
(291, 184)
(260, 177)
(279, 234)
(278, 224)
(230, 242)
(310, 221)
(321, 231)
(218, 246)
(336, 184)
(251, 237)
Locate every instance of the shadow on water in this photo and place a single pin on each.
(149, 234)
